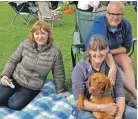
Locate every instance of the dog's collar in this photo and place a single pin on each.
(102, 94)
(105, 94)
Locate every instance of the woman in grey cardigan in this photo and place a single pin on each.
(26, 70)
(92, 63)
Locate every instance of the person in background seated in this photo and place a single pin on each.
(119, 34)
(54, 4)
(135, 5)
(90, 6)
(94, 61)
(74, 2)
(103, 6)
(28, 67)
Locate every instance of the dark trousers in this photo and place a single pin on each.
(89, 10)
(16, 98)
(54, 4)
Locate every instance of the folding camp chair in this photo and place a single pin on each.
(84, 21)
(22, 10)
(133, 47)
(46, 13)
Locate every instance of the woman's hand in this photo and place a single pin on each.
(4, 81)
(110, 108)
(65, 94)
(112, 74)
(118, 117)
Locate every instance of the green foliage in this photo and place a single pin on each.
(12, 35)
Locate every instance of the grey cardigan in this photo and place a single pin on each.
(30, 67)
(80, 79)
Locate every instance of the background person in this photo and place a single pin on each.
(103, 6)
(88, 5)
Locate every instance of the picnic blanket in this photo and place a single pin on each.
(46, 105)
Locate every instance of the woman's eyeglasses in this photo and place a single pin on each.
(113, 15)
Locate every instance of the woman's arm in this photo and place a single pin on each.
(13, 61)
(79, 79)
(119, 95)
(59, 73)
(90, 106)
(121, 106)
(110, 108)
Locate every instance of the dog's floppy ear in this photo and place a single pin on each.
(80, 102)
(108, 86)
(89, 83)
(98, 89)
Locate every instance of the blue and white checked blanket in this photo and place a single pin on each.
(46, 105)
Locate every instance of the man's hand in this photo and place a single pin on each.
(112, 72)
(112, 75)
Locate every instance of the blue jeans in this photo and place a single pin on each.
(16, 98)
(129, 113)
(83, 114)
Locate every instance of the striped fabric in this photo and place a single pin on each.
(47, 105)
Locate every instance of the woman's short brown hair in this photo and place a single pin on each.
(38, 26)
(96, 42)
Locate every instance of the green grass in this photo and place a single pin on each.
(12, 35)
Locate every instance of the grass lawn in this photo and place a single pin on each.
(12, 35)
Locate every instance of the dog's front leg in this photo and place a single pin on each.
(80, 102)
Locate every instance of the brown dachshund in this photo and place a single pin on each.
(100, 89)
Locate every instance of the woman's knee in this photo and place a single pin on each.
(5, 94)
(15, 104)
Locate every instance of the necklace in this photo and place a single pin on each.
(95, 71)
